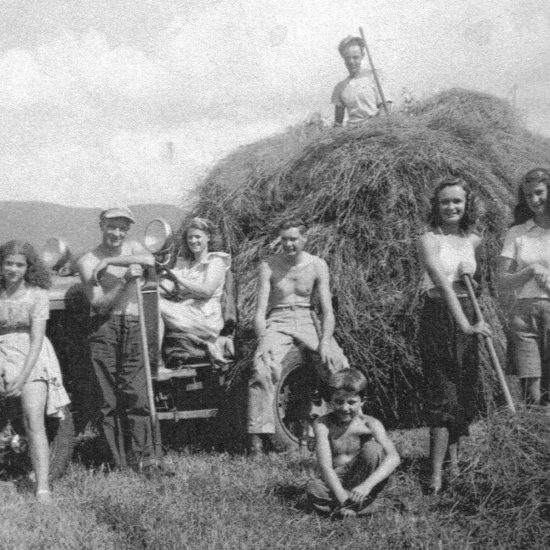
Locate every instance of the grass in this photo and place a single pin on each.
(223, 501)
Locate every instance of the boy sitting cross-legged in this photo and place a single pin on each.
(354, 453)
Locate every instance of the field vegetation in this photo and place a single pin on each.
(226, 501)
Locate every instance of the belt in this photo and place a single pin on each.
(293, 307)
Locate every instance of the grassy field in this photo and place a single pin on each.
(222, 501)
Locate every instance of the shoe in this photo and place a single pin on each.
(255, 445)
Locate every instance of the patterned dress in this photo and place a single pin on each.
(16, 316)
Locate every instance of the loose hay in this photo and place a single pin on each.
(364, 193)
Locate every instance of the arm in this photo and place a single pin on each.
(511, 278)
(323, 286)
(139, 255)
(264, 289)
(100, 301)
(390, 462)
(429, 255)
(324, 461)
(339, 112)
(37, 331)
(214, 277)
(37, 325)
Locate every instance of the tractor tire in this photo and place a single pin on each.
(296, 402)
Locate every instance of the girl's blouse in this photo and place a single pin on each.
(453, 251)
(16, 314)
(197, 273)
(527, 244)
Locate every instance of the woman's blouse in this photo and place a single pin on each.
(454, 250)
(198, 273)
(17, 313)
(527, 244)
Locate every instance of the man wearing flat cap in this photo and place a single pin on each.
(107, 272)
(357, 95)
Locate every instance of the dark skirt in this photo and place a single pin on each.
(450, 362)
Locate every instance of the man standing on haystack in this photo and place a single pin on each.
(283, 318)
(357, 95)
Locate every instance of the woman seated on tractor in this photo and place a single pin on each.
(191, 299)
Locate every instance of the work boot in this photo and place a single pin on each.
(255, 445)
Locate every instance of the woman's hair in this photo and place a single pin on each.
(350, 41)
(522, 212)
(203, 225)
(36, 274)
(348, 380)
(471, 212)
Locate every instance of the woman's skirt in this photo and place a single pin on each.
(450, 362)
(14, 348)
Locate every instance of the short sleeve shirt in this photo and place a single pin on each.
(18, 313)
(527, 244)
(358, 96)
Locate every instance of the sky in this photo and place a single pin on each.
(131, 101)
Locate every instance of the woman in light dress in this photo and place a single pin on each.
(28, 365)
(195, 307)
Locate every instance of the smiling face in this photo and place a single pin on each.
(353, 57)
(197, 241)
(114, 231)
(451, 201)
(536, 195)
(14, 268)
(292, 241)
(346, 405)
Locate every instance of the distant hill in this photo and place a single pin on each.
(35, 222)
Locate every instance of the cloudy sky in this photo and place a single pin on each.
(106, 101)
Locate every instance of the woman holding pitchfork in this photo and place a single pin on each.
(448, 343)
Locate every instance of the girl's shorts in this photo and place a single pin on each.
(531, 337)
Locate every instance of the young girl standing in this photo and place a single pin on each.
(448, 343)
(28, 365)
(524, 268)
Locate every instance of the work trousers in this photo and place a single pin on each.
(117, 360)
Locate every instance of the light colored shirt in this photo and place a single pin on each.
(359, 96)
(454, 251)
(528, 244)
(18, 313)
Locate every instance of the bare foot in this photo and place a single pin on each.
(435, 485)
(346, 513)
(44, 496)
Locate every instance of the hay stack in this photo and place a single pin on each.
(364, 194)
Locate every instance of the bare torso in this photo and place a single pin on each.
(292, 284)
(126, 302)
(346, 440)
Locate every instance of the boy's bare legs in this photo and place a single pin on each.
(439, 444)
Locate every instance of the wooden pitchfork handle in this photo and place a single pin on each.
(490, 346)
(146, 363)
(374, 73)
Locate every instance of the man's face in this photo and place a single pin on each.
(353, 57)
(292, 241)
(114, 231)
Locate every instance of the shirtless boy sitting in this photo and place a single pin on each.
(283, 316)
(354, 454)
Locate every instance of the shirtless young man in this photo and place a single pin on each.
(355, 456)
(107, 273)
(283, 316)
